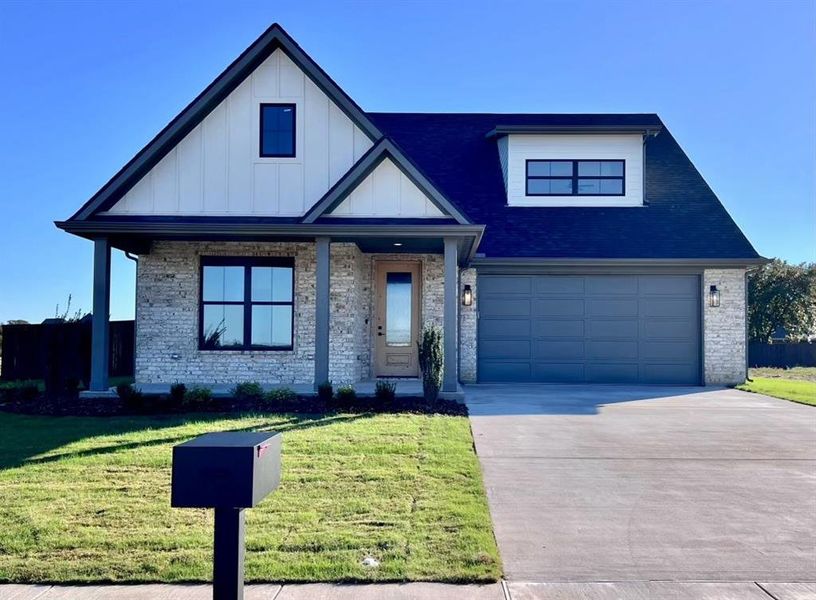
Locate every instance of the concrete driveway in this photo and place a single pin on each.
(614, 483)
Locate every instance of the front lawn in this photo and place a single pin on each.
(87, 499)
(797, 390)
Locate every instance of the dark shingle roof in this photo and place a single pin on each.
(683, 217)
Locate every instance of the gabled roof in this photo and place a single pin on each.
(682, 219)
(272, 39)
(385, 148)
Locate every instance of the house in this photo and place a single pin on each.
(285, 235)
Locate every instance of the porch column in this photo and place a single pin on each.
(100, 333)
(322, 277)
(451, 305)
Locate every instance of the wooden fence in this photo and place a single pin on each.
(30, 350)
(782, 355)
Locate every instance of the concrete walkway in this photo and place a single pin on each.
(623, 483)
(631, 590)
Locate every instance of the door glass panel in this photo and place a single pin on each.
(398, 318)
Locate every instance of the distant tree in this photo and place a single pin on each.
(66, 315)
(782, 294)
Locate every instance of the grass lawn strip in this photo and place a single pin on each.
(796, 390)
(86, 499)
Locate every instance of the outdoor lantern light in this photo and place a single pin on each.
(713, 296)
(467, 296)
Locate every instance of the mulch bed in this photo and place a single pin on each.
(151, 405)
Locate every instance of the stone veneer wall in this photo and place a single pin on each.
(167, 314)
(724, 327)
(467, 328)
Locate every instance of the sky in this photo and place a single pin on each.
(87, 84)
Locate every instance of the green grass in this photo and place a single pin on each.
(803, 373)
(87, 499)
(797, 390)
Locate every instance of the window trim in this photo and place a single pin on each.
(263, 105)
(575, 178)
(247, 262)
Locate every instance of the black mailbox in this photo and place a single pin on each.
(228, 471)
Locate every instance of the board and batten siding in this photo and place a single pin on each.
(216, 169)
(387, 192)
(521, 148)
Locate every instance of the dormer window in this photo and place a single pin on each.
(575, 178)
(277, 131)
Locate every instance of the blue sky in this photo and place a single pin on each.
(87, 84)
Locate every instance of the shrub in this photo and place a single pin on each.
(282, 399)
(22, 391)
(132, 398)
(178, 391)
(325, 391)
(385, 391)
(198, 397)
(248, 391)
(345, 398)
(431, 361)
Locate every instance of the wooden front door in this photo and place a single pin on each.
(396, 319)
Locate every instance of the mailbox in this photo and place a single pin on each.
(228, 471)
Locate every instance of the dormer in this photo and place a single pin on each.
(546, 166)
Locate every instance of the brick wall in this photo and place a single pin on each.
(467, 329)
(724, 327)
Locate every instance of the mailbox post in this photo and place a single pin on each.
(228, 471)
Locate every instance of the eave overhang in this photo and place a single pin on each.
(504, 130)
(519, 264)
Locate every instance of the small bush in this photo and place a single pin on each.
(19, 391)
(178, 391)
(198, 397)
(325, 391)
(385, 391)
(281, 399)
(345, 398)
(132, 398)
(248, 391)
(431, 361)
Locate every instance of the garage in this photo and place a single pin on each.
(589, 328)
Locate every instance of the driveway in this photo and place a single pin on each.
(614, 483)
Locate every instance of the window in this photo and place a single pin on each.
(277, 130)
(575, 178)
(246, 303)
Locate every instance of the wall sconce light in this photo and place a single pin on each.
(713, 296)
(467, 296)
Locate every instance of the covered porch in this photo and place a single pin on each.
(334, 335)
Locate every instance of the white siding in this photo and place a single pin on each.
(216, 170)
(387, 192)
(521, 148)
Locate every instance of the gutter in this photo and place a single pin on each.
(618, 262)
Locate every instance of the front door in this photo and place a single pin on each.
(396, 320)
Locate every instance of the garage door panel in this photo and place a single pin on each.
(506, 349)
(556, 328)
(613, 328)
(558, 285)
(505, 307)
(603, 285)
(561, 350)
(558, 307)
(617, 350)
(558, 372)
(599, 372)
(506, 285)
(668, 307)
(599, 328)
(496, 329)
(505, 371)
(607, 307)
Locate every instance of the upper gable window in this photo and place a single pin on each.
(277, 130)
(576, 178)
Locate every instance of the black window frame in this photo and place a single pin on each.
(264, 105)
(575, 178)
(247, 262)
